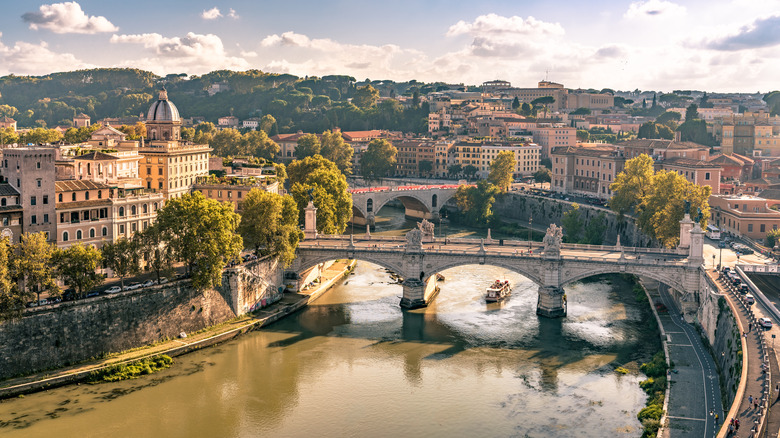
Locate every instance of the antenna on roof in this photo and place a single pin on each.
(546, 74)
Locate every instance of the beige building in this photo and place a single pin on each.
(83, 213)
(81, 121)
(699, 172)
(134, 210)
(527, 156)
(586, 170)
(743, 215)
(7, 122)
(232, 188)
(31, 171)
(549, 136)
(11, 213)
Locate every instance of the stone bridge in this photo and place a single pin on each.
(422, 201)
(550, 264)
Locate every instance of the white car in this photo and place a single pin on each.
(132, 286)
(113, 290)
(149, 283)
(765, 322)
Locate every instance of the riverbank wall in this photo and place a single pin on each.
(519, 207)
(55, 336)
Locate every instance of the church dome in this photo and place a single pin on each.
(163, 110)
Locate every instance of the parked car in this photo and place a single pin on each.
(132, 286)
(744, 250)
(113, 290)
(148, 283)
(749, 299)
(92, 293)
(765, 322)
(164, 280)
(744, 289)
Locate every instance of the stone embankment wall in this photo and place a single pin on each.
(721, 332)
(519, 207)
(71, 332)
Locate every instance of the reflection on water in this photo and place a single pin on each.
(355, 364)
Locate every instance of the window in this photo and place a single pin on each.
(45, 199)
(706, 176)
(59, 198)
(18, 183)
(105, 231)
(121, 211)
(100, 194)
(38, 182)
(159, 171)
(38, 165)
(146, 208)
(133, 210)
(45, 218)
(134, 227)
(79, 235)
(86, 195)
(122, 229)
(763, 228)
(91, 232)
(33, 200)
(3, 202)
(750, 227)
(73, 196)
(64, 236)
(33, 220)
(154, 206)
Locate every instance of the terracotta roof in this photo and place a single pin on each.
(78, 184)
(8, 190)
(96, 156)
(763, 181)
(7, 119)
(744, 158)
(350, 135)
(82, 204)
(773, 194)
(687, 162)
(727, 160)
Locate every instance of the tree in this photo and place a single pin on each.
(157, 253)
(365, 97)
(227, 142)
(328, 188)
(502, 170)
(543, 175)
(572, 224)
(378, 160)
(696, 131)
(581, 111)
(11, 302)
(526, 109)
(78, 265)
(515, 103)
(41, 136)
(257, 144)
(772, 238)
(595, 229)
(122, 258)
(281, 173)
(32, 266)
(476, 203)
(543, 101)
(308, 146)
(202, 233)
(269, 225)
(335, 149)
(455, 170)
(692, 112)
(632, 184)
(470, 171)
(425, 167)
(267, 124)
(8, 136)
(654, 130)
(583, 135)
(669, 118)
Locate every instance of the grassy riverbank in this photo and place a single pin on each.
(131, 370)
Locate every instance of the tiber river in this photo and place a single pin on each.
(354, 364)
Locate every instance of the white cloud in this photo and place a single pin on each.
(67, 18)
(194, 53)
(654, 8)
(233, 14)
(36, 59)
(211, 14)
(763, 32)
(492, 24)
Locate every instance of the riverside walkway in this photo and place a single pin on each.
(694, 388)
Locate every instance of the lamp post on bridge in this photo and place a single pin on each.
(530, 221)
(720, 256)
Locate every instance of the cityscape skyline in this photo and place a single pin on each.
(719, 46)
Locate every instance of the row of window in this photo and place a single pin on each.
(79, 234)
(73, 196)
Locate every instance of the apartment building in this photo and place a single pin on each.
(31, 171)
(134, 210)
(527, 155)
(11, 213)
(699, 172)
(83, 213)
(586, 170)
(411, 153)
(233, 188)
(743, 215)
(549, 136)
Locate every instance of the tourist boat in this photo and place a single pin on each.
(497, 291)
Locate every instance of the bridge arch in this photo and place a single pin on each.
(425, 202)
(527, 273)
(637, 270)
(311, 262)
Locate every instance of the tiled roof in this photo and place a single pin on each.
(96, 156)
(8, 190)
(687, 162)
(83, 204)
(78, 184)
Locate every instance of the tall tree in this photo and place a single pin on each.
(476, 203)
(269, 225)
(692, 112)
(595, 230)
(32, 266)
(572, 224)
(78, 265)
(328, 187)
(308, 146)
(365, 97)
(202, 233)
(11, 302)
(267, 124)
(122, 257)
(335, 149)
(470, 171)
(227, 142)
(157, 253)
(455, 170)
(257, 144)
(425, 167)
(502, 170)
(378, 160)
(543, 175)
(632, 184)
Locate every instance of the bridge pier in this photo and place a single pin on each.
(418, 293)
(552, 302)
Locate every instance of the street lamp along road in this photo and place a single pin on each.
(530, 221)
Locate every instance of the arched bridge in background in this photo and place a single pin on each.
(420, 201)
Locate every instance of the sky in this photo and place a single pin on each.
(661, 45)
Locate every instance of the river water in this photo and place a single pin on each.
(353, 364)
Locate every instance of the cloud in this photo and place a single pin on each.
(497, 36)
(34, 59)
(763, 32)
(233, 14)
(653, 8)
(211, 14)
(195, 53)
(67, 18)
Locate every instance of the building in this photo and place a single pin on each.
(227, 122)
(586, 170)
(526, 155)
(549, 136)
(134, 210)
(11, 213)
(734, 167)
(83, 213)
(411, 153)
(699, 172)
(7, 122)
(31, 171)
(251, 123)
(233, 188)
(743, 215)
(441, 161)
(81, 121)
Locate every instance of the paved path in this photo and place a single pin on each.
(695, 386)
(757, 381)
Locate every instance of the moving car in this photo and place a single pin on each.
(765, 322)
(113, 290)
(749, 299)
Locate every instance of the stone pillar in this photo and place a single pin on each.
(686, 225)
(418, 293)
(310, 222)
(370, 220)
(696, 250)
(552, 302)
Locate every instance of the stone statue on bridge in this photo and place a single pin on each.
(426, 227)
(414, 240)
(552, 240)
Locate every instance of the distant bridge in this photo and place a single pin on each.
(420, 201)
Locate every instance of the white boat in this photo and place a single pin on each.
(497, 291)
